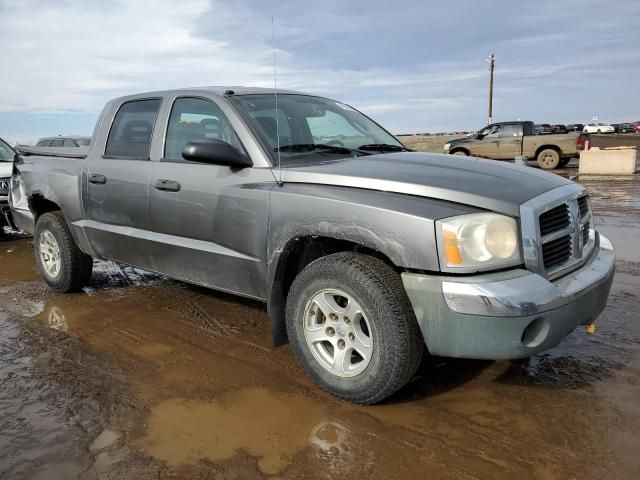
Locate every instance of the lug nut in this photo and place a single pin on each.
(347, 320)
(352, 337)
(331, 332)
(333, 316)
(341, 344)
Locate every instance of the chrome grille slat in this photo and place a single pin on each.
(554, 219)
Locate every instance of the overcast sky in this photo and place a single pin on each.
(415, 66)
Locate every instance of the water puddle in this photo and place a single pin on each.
(268, 426)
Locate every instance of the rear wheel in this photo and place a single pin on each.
(352, 327)
(548, 159)
(62, 265)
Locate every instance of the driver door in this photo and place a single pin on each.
(486, 144)
(209, 221)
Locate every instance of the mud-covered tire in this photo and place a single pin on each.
(397, 344)
(548, 159)
(75, 267)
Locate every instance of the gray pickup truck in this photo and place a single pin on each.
(363, 252)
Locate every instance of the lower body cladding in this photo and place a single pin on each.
(512, 314)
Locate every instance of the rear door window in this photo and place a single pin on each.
(69, 143)
(510, 130)
(56, 143)
(132, 129)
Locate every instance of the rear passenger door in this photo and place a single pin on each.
(209, 221)
(117, 206)
(510, 141)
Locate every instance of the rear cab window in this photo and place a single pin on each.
(132, 130)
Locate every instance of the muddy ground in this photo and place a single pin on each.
(143, 377)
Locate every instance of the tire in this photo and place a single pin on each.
(460, 152)
(599, 131)
(63, 266)
(392, 332)
(548, 159)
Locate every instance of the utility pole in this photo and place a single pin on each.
(492, 64)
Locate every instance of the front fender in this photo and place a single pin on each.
(400, 227)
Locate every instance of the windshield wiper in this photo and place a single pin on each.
(310, 147)
(384, 147)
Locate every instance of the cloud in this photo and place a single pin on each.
(414, 65)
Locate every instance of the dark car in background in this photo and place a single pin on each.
(559, 128)
(575, 127)
(623, 128)
(543, 129)
(68, 141)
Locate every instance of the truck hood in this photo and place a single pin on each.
(487, 184)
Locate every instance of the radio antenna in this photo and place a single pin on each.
(275, 94)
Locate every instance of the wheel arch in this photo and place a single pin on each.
(550, 146)
(39, 204)
(459, 149)
(297, 253)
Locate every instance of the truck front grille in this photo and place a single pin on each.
(558, 233)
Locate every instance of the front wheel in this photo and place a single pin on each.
(63, 266)
(352, 327)
(548, 159)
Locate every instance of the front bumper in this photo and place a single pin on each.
(511, 314)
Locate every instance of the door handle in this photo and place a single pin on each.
(167, 185)
(97, 179)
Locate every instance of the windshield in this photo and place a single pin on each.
(6, 153)
(304, 121)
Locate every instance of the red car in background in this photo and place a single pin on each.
(636, 126)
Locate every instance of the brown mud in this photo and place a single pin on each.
(143, 377)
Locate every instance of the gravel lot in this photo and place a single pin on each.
(142, 377)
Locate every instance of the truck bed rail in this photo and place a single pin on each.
(69, 152)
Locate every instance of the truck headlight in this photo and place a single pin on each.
(478, 241)
(447, 147)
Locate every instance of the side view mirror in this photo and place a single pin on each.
(215, 152)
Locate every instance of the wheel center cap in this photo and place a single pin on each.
(341, 330)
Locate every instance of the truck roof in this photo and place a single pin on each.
(215, 90)
(512, 121)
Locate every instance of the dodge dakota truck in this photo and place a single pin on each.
(364, 253)
(506, 140)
